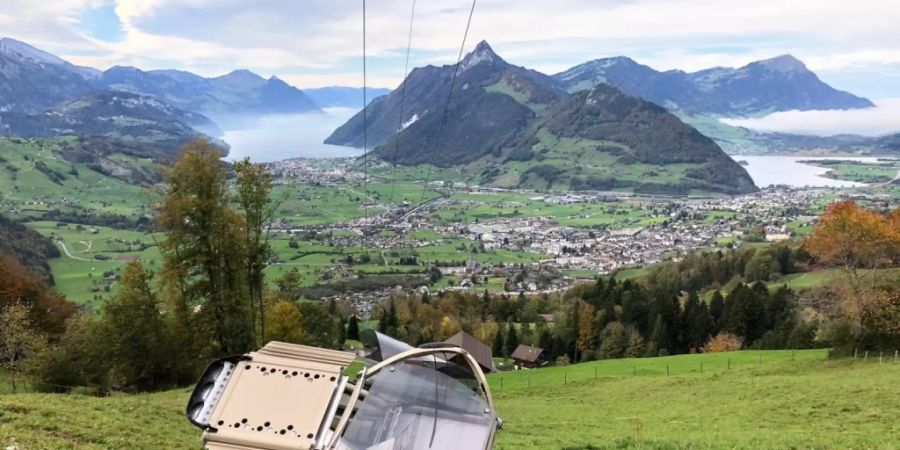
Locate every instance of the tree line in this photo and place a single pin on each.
(708, 301)
(160, 329)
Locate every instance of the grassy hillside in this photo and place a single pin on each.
(35, 177)
(766, 401)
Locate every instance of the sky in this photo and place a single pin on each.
(309, 43)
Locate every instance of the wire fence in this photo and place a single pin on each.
(681, 365)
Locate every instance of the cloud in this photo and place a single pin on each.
(883, 119)
(299, 40)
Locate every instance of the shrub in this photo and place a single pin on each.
(723, 342)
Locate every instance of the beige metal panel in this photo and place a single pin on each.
(277, 400)
(306, 353)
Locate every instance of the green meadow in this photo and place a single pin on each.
(766, 400)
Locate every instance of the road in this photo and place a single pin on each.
(66, 251)
(886, 182)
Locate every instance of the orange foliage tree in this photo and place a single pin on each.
(855, 240)
(47, 311)
(723, 342)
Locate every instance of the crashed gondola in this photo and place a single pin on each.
(288, 396)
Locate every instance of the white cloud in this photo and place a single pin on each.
(299, 40)
(883, 119)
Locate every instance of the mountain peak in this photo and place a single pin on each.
(482, 53)
(784, 63)
(242, 78)
(12, 46)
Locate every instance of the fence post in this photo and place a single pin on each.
(501, 383)
(637, 428)
(866, 356)
(565, 377)
(895, 355)
(880, 355)
(793, 354)
(667, 370)
(855, 352)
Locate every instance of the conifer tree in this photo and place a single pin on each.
(512, 338)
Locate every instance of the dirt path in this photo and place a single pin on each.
(66, 251)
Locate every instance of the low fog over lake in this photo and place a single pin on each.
(278, 137)
(789, 170)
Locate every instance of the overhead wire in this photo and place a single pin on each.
(443, 122)
(412, 18)
(365, 138)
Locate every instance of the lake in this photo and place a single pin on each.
(279, 137)
(767, 170)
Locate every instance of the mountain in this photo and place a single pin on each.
(779, 84)
(31, 80)
(493, 100)
(12, 46)
(343, 97)
(890, 143)
(643, 133)
(513, 127)
(238, 92)
(131, 118)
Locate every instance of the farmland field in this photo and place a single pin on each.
(767, 400)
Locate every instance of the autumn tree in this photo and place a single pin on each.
(285, 323)
(19, 340)
(47, 311)
(585, 327)
(205, 252)
(723, 342)
(856, 240)
(254, 187)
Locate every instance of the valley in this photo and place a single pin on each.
(482, 238)
(629, 265)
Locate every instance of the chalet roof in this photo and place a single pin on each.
(527, 353)
(479, 350)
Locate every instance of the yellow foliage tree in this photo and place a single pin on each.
(284, 323)
(723, 342)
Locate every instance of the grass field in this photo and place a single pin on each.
(765, 401)
(30, 190)
(819, 278)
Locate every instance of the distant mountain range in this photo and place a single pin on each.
(42, 95)
(132, 118)
(240, 92)
(510, 126)
(778, 84)
(701, 98)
